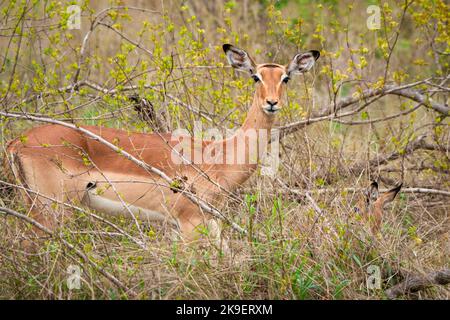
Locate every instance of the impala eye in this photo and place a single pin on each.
(255, 77)
(286, 79)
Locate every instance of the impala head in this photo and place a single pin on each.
(372, 203)
(270, 78)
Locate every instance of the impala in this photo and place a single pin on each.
(64, 164)
(371, 204)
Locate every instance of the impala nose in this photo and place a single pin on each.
(272, 102)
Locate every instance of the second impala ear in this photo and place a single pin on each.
(239, 59)
(390, 195)
(372, 192)
(303, 62)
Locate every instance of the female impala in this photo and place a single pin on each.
(371, 204)
(61, 163)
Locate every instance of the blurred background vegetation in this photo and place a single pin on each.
(375, 107)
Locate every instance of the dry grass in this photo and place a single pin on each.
(301, 253)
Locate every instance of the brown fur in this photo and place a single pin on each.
(372, 205)
(59, 162)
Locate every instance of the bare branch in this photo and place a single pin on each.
(418, 97)
(404, 190)
(416, 283)
(329, 112)
(417, 144)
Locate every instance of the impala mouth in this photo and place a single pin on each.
(271, 110)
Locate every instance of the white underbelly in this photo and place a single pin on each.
(121, 209)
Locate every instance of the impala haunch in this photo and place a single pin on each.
(64, 164)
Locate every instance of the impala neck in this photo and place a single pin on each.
(256, 125)
(256, 118)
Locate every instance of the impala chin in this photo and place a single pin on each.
(271, 110)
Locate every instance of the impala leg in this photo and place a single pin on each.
(215, 233)
(191, 230)
(37, 183)
(39, 211)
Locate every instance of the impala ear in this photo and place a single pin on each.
(388, 196)
(372, 192)
(302, 62)
(239, 59)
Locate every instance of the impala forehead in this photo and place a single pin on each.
(271, 72)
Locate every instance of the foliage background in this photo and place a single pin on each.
(375, 107)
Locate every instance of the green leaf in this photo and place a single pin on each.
(364, 115)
